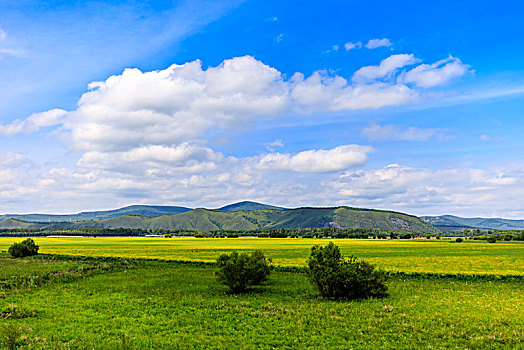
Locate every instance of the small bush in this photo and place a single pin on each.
(492, 239)
(23, 249)
(239, 271)
(459, 240)
(338, 278)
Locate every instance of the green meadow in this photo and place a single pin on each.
(58, 302)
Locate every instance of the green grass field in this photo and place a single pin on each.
(427, 256)
(161, 305)
(95, 303)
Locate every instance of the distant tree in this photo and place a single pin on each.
(459, 240)
(25, 248)
(239, 271)
(428, 236)
(492, 239)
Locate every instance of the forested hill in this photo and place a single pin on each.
(212, 220)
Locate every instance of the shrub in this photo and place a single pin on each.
(23, 249)
(338, 278)
(459, 240)
(239, 271)
(492, 239)
(428, 236)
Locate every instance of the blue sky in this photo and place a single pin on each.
(406, 105)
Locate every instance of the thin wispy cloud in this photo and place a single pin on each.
(376, 132)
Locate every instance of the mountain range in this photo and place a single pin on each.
(148, 210)
(238, 216)
(249, 215)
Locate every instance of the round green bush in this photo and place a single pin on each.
(459, 240)
(25, 248)
(338, 278)
(239, 271)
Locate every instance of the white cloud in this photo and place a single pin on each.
(271, 145)
(489, 138)
(321, 92)
(160, 160)
(386, 68)
(3, 35)
(335, 47)
(376, 43)
(175, 105)
(350, 46)
(438, 73)
(34, 122)
(317, 161)
(279, 37)
(397, 133)
(276, 143)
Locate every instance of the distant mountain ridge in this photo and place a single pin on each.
(262, 219)
(456, 222)
(248, 215)
(152, 210)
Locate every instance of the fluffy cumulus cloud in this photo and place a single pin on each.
(397, 133)
(317, 161)
(376, 43)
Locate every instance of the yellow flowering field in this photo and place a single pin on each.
(431, 256)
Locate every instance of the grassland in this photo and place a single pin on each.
(426, 256)
(161, 305)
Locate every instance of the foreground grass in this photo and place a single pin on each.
(426, 256)
(161, 305)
